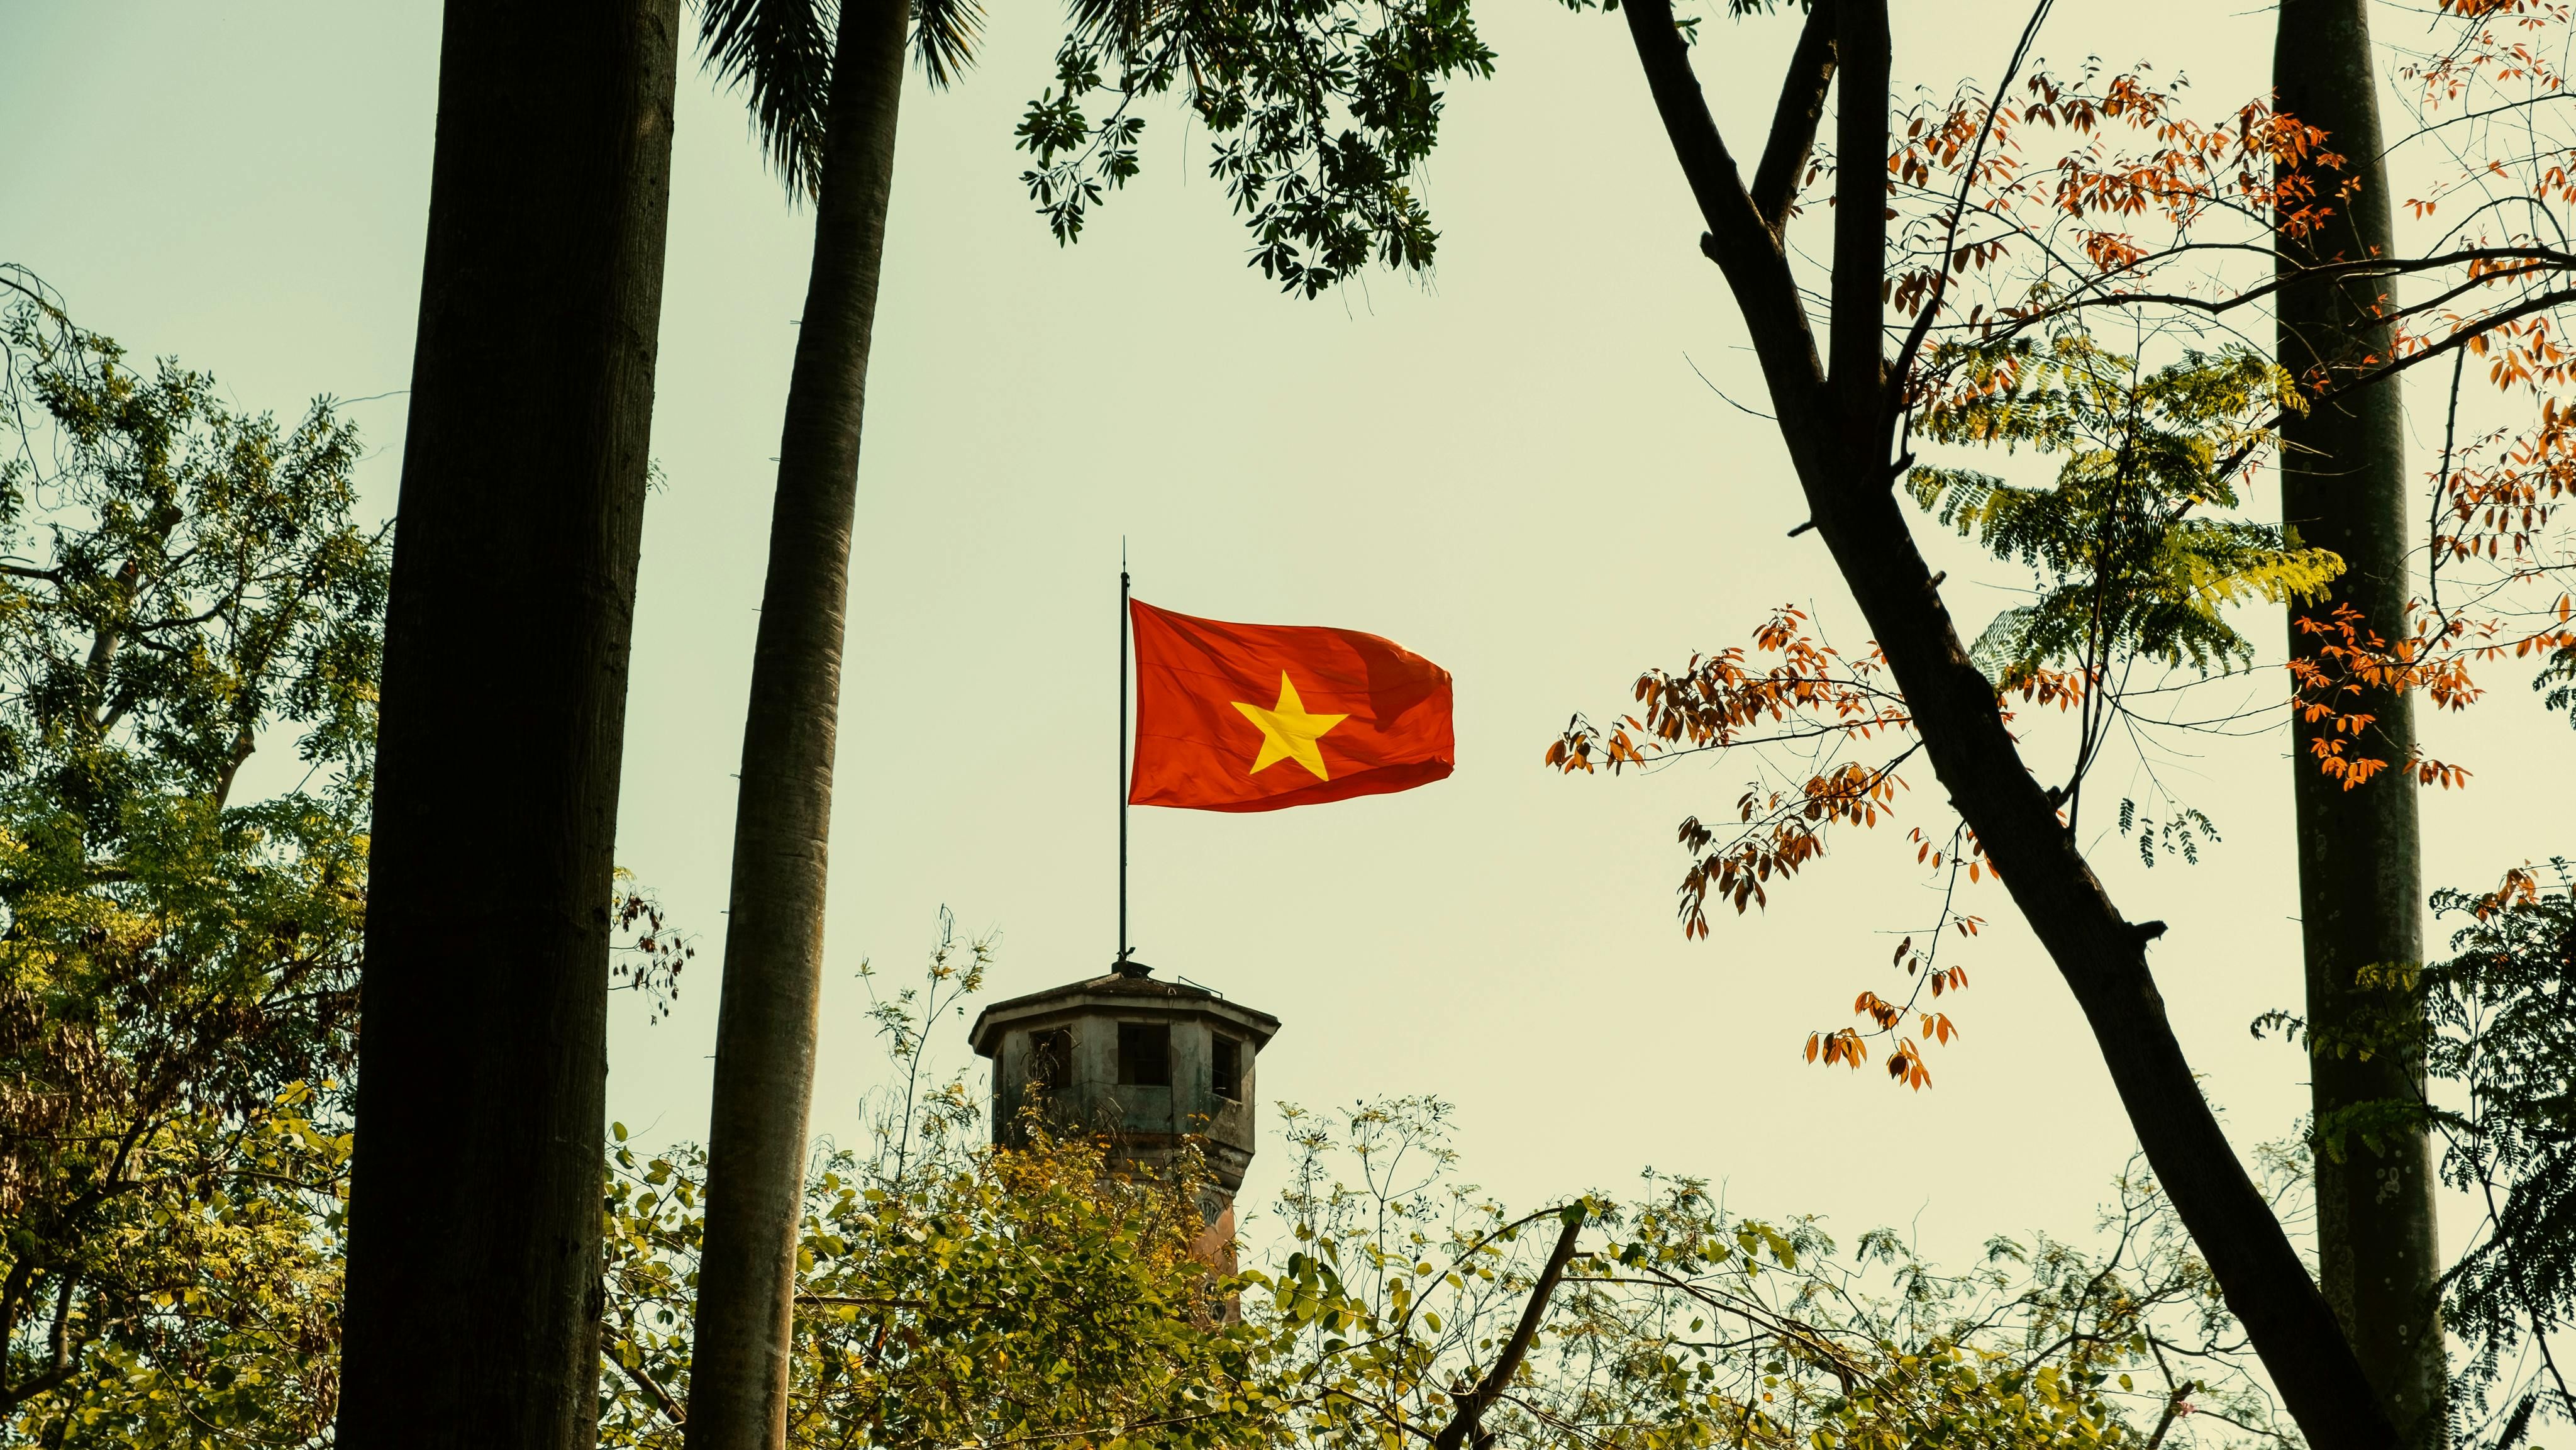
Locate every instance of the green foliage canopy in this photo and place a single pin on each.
(954, 1294)
(181, 584)
(1681, 1324)
(1321, 113)
(949, 1293)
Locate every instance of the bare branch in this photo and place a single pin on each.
(1738, 240)
(1857, 351)
(1473, 1404)
(1794, 122)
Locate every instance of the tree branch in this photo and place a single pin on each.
(1794, 121)
(1473, 1404)
(1839, 444)
(860, 1301)
(653, 1390)
(244, 743)
(1745, 248)
(59, 1366)
(1959, 207)
(1857, 346)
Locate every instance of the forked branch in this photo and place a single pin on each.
(1473, 1404)
(1742, 244)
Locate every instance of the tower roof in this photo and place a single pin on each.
(1128, 993)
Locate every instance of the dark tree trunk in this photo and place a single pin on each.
(474, 1237)
(2344, 487)
(1839, 430)
(773, 965)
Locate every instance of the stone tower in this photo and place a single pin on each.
(1146, 1062)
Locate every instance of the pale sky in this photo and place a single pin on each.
(1512, 470)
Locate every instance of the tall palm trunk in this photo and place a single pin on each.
(773, 965)
(2344, 487)
(474, 1237)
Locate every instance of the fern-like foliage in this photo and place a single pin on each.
(2558, 682)
(2131, 560)
(2503, 1014)
(2498, 1023)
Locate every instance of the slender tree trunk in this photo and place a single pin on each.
(2344, 487)
(1839, 428)
(474, 1238)
(773, 966)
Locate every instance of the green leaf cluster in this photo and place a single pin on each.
(952, 1293)
(985, 1297)
(182, 586)
(2131, 557)
(1321, 113)
(214, 1320)
(2556, 682)
(2502, 1019)
(2496, 1022)
(2496, 1025)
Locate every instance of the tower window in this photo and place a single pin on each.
(1145, 1054)
(1051, 1060)
(1225, 1069)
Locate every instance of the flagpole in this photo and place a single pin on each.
(1122, 755)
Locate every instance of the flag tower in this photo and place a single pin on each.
(1151, 1066)
(1228, 717)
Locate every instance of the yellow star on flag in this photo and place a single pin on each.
(1288, 732)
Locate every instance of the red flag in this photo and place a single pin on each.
(1257, 717)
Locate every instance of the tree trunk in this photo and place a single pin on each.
(2343, 487)
(773, 965)
(474, 1237)
(1839, 429)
